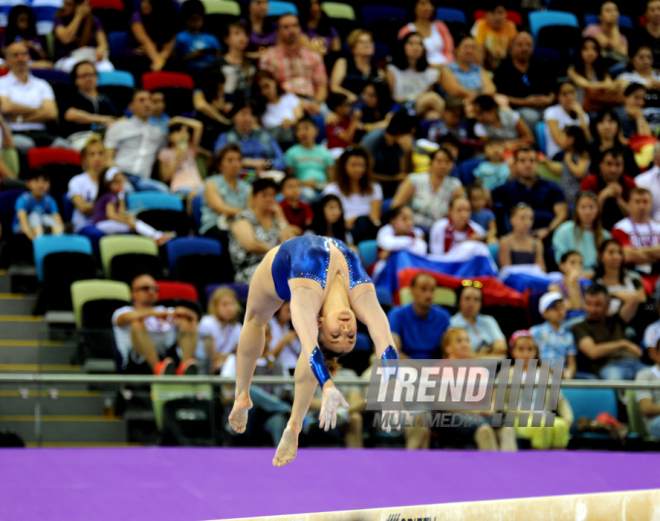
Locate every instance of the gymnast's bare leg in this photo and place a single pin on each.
(262, 304)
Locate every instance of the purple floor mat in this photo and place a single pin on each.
(185, 484)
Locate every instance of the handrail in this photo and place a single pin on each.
(59, 378)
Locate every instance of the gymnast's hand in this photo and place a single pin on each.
(332, 399)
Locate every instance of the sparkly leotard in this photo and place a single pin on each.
(308, 257)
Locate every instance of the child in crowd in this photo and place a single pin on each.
(342, 133)
(570, 288)
(554, 340)
(494, 122)
(455, 228)
(494, 171)
(309, 162)
(237, 68)
(399, 234)
(36, 211)
(110, 209)
(453, 122)
(576, 164)
(22, 27)
(523, 347)
(484, 217)
(520, 246)
(220, 328)
(298, 213)
(195, 49)
(329, 220)
(493, 34)
(177, 164)
(285, 345)
(158, 116)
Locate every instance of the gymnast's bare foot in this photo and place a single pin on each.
(288, 447)
(239, 413)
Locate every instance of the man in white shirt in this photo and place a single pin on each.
(133, 144)
(639, 234)
(150, 337)
(651, 181)
(28, 103)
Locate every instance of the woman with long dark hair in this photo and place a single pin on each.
(625, 286)
(377, 105)
(437, 38)
(22, 27)
(606, 131)
(315, 24)
(329, 219)
(589, 72)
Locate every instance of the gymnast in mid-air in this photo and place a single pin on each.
(328, 289)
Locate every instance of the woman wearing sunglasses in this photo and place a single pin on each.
(486, 337)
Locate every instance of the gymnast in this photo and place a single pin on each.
(328, 289)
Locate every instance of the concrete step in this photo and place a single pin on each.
(34, 352)
(67, 429)
(17, 303)
(81, 403)
(40, 368)
(22, 327)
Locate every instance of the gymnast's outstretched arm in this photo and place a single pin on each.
(305, 305)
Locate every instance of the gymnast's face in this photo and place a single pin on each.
(338, 330)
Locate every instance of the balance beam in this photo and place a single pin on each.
(642, 505)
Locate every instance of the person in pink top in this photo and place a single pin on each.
(438, 41)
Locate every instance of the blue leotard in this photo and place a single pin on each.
(308, 257)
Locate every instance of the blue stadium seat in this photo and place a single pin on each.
(7, 204)
(240, 289)
(368, 252)
(278, 8)
(52, 76)
(362, 342)
(540, 136)
(44, 15)
(190, 246)
(590, 403)
(118, 43)
(386, 206)
(539, 19)
(47, 244)
(624, 20)
(373, 13)
(119, 78)
(139, 201)
(446, 14)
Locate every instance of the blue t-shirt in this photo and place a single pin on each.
(187, 43)
(25, 202)
(420, 337)
(483, 218)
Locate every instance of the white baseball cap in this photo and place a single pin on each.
(111, 173)
(548, 300)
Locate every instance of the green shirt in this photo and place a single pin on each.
(309, 164)
(237, 198)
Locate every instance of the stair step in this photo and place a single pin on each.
(71, 403)
(33, 351)
(36, 368)
(17, 304)
(22, 327)
(68, 429)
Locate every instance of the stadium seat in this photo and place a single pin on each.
(49, 244)
(176, 86)
(87, 290)
(118, 43)
(127, 266)
(11, 157)
(167, 221)
(278, 8)
(169, 290)
(60, 163)
(60, 82)
(113, 245)
(117, 86)
(139, 201)
(447, 14)
(240, 289)
(562, 38)
(60, 270)
(540, 136)
(368, 252)
(219, 14)
(110, 13)
(635, 418)
(163, 393)
(624, 20)
(44, 15)
(374, 13)
(197, 211)
(339, 10)
(97, 339)
(441, 297)
(589, 403)
(226, 7)
(182, 246)
(117, 5)
(539, 19)
(201, 270)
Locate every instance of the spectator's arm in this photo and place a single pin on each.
(375, 211)
(14, 109)
(580, 168)
(321, 93)
(24, 224)
(488, 86)
(504, 253)
(101, 44)
(648, 407)
(127, 318)
(540, 260)
(82, 206)
(47, 112)
(451, 86)
(67, 33)
(403, 193)
(7, 136)
(201, 105)
(110, 156)
(82, 117)
(526, 137)
(630, 304)
(564, 411)
(243, 232)
(594, 351)
(636, 256)
(142, 37)
(561, 214)
(337, 78)
(217, 203)
(194, 124)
